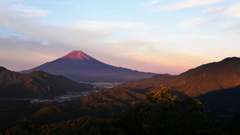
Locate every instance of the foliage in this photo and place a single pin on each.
(160, 113)
(23, 128)
(161, 96)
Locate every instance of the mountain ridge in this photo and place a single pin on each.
(37, 84)
(79, 66)
(114, 100)
(197, 81)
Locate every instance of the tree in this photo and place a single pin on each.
(162, 96)
(162, 113)
(23, 128)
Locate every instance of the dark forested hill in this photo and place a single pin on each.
(37, 84)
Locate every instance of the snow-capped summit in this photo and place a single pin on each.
(77, 55)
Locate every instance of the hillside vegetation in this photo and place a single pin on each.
(159, 113)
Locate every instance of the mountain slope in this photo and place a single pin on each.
(213, 76)
(104, 103)
(81, 67)
(37, 84)
(225, 101)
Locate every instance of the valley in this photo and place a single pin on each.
(123, 67)
(62, 98)
(69, 95)
(43, 98)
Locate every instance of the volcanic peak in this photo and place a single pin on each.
(77, 55)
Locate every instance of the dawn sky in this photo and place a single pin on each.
(161, 36)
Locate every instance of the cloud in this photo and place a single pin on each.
(107, 26)
(216, 20)
(41, 40)
(21, 54)
(232, 10)
(233, 26)
(186, 4)
(214, 10)
(18, 54)
(153, 2)
(128, 47)
(230, 23)
(168, 60)
(193, 23)
(25, 11)
(199, 22)
(84, 33)
(205, 45)
(126, 44)
(151, 55)
(22, 21)
(29, 11)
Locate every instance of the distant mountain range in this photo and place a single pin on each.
(37, 84)
(217, 85)
(81, 67)
(198, 81)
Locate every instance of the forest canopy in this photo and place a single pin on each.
(159, 113)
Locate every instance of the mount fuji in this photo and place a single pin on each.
(79, 66)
